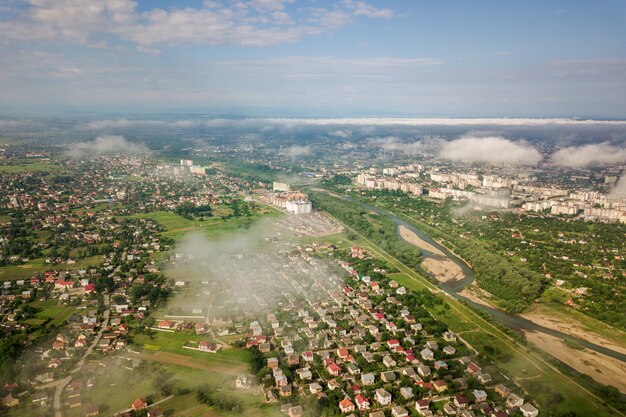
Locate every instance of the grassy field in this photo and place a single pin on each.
(26, 165)
(173, 343)
(14, 272)
(177, 226)
(34, 266)
(49, 312)
(51, 309)
(115, 388)
(107, 393)
(542, 380)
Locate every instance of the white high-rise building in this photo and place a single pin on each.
(280, 186)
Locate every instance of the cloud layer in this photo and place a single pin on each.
(344, 133)
(589, 155)
(107, 144)
(619, 191)
(490, 149)
(394, 144)
(249, 23)
(297, 151)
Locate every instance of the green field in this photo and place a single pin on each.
(177, 226)
(25, 271)
(173, 343)
(26, 165)
(34, 266)
(115, 388)
(51, 309)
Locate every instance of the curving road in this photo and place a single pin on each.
(62, 383)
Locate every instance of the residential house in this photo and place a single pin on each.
(389, 362)
(479, 395)
(449, 350)
(399, 411)
(528, 410)
(406, 392)
(422, 405)
(388, 376)
(502, 390)
(383, 397)
(315, 388)
(346, 405)
(285, 391)
(440, 385)
(362, 402)
(423, 370)
(409, 372)
(304, 373)
(139, 404)
(460, 401)
(449, 409)
(472, 368)
(484, 378)
(155, 412)
(368, 378)
(353, 369)
(514, 400)
(334, 369)
(427, 354)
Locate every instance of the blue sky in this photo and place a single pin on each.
(315, 58)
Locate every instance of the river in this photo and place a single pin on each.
(513, 322)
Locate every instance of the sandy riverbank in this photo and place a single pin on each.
(573, 329)
(602, 368)
(473, 293)
(440, 266)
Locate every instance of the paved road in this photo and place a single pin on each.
(62, 383)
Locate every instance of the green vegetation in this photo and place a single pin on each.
(10, 349)
(174, 342)
(530, 251)
(557, 392)
(379, 229)
(26, 165)
(253, 172)
(177, 226)
(190, 211)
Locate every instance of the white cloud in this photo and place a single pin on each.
(444, 121)
(490, 149)
(252, 23)
(619, 191)
(361, 8)
(394, 144)
(107, 144)
(589, 155)
(296, 151)
(344, 134)
(361, 123)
